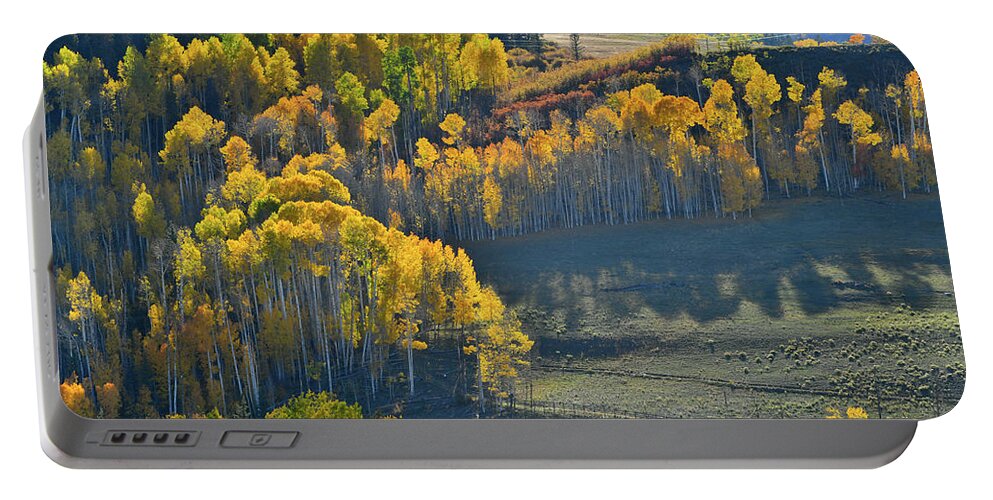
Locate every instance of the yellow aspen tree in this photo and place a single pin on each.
(82, 313)
(90, 166)
(427, 155)
(762, 92)
(379, 126)
(187, 154)
(149, 219)
(492, 203)
(436, 193)
(540, 152)
(282, 78)
(189, 268)
(635, 109)
(237, 154)
(920, 150)
(721, 114)
(675, 116)
(741, 181)
(925, 160)
(484, 63)
(831, 82)
(794, 91)
(900, 172)
(399, 280)
(738, 172)
(809, 143)
(399, 174)
(74, 396)
(559, 131)
(859, 125)
(744, 68)
(452, 126)
(915, 93)
(243, 186)
(603, 124)
(503, 351)
(397, 181)
(500, 348)
(109, 400)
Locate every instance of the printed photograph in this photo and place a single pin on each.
(502, 225)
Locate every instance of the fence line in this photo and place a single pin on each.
(732, 384)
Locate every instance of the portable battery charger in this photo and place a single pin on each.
(486, 250)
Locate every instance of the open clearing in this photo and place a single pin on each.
(811, 303)
(596, 45)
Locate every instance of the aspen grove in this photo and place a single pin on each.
(242, 222)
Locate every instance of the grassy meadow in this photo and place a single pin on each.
(764, 317)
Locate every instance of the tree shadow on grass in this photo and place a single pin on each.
(706, 270)
(814, 291)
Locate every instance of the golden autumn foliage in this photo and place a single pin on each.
(852, 412)
(502, 350)
(191, 137)
(453, 125)
(149, 220)
(400, 174)
(831, 81)
(744, 68)
(721, 114)
(74, 396)
(912, 85)
(289, 198)
(762, 92)
(741, 181)
(813, 121)
(237, 155)
(110, 400)
(856, 413)
(794, 89)
(573, 74)
(493, 201)
(380, 121)
(861, 123)
(484, 63)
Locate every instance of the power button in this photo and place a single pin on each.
(258, 439)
